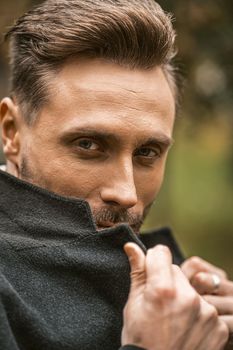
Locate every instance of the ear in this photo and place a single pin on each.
(10, 123)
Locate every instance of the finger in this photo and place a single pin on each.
(159, 269)
(229, 322)
(137, 265)
(195, 264)
(204, 284)
(210, 322)
(224, 305)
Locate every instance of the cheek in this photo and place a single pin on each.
(64, 175)
(149, 184)
(76, 181)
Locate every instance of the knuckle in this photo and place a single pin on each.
(210, 313)
(192, 302)
(160, 293)
(222, 334)
(195, 302)
(223, 331)
(199, 277)
(165, 292)
(213, 314)
(195, 261)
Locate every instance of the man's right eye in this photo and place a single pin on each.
(87, 144)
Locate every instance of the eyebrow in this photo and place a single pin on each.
(73, 133)
(163, 140)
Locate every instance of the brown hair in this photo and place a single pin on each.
(136, 33)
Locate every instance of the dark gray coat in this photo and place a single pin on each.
(63, 285)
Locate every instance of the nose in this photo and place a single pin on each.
(119, 188)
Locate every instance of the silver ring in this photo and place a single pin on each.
(216, 282)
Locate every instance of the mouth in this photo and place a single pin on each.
(105, 224)
(108, 224)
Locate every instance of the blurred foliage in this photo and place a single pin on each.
(197, 196)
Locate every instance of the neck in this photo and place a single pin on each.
(11, 168)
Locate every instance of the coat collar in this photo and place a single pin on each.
(45, 215)
(48, 217)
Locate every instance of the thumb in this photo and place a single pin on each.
(137, 264)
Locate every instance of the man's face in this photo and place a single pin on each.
(103, 137)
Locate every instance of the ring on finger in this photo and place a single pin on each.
(216, 282)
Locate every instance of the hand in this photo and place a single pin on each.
(200, 274)
(163, 311)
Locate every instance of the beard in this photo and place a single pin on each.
(26, 174)
(110, 216)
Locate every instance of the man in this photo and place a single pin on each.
(86, 133)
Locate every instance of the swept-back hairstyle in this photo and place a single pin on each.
(132, 33)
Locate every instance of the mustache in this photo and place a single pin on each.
(117, 217)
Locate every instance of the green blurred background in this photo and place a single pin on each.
(197, 196)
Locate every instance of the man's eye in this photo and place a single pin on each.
(88, 144)
(147, 152)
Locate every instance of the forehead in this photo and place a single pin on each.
(103, 94)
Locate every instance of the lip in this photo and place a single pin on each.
(102, 225)
(105, 224)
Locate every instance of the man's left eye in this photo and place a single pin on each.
(88, 144)
(147, 152)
